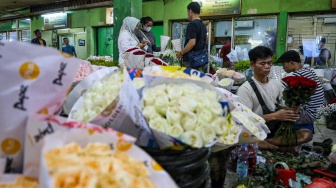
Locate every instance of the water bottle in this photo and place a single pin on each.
(252, 157)
(242, 162)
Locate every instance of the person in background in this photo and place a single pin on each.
(144, 34)
(195, 34)
(225, 50)
(68, 48)
(127, 38)
(271, 94)
(38, 40)
(291, 62)
(325, 54)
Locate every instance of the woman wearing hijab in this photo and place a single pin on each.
(127, 38)
(144, 34)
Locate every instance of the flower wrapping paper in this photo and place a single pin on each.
(84, 137)
(123, 113)
(35, 79)
(83, 86)
(165, 141)
(39, 126)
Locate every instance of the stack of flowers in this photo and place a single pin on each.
(185, 111)
(102, 61)
(84, 70)
(298, 91)
(328, 109)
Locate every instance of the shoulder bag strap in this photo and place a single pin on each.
(145, 36)
(265, 109)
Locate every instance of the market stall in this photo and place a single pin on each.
(150, 124)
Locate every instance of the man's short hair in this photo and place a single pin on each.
(36, 31)
(65, 38)
(259, 52)
(288, 56)
(195, 7)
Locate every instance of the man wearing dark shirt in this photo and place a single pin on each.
(68, 48)
(195, 33)
(226, 49)
(38, 40)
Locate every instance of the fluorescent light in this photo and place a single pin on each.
(53, 14)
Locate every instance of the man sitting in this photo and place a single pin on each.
(270, 96)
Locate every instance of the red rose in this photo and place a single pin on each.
(139, 53)
(149, 55)
(332, 101)
(131, 49)
(294, 83)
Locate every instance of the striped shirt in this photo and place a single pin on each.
(308, 111)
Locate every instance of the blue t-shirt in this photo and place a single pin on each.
(68, 49)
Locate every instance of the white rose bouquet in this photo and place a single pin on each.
(186, 111)
(98, 98)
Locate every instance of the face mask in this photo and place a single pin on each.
(148, 29)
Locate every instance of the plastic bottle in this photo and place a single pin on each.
(242, 162)
(252, 158)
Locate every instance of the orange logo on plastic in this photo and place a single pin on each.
(66, 55)
(29, 71)
(119, 134)
(10, 146)
(91, 131)
(156, 166)
(245, 134)
(44, 111)
(123, 145)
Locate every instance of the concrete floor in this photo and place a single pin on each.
(322, 132)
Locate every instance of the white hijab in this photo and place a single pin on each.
(129, 24)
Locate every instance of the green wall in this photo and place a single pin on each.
(158, 31)
(176, 10)
(276, 6)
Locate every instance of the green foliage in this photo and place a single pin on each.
(274, 59)
(102, 62)
(242, 65)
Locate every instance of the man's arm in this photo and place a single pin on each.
(190, 45)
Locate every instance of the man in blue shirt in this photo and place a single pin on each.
(68, 48)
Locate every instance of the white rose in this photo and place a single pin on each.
(211, 95)
(160, 88)
(187, 105)
(204, 114)
(220, 125)
(149, 112)
(192, 138)
(174, 91)
(148, 98)
(207, 133)
(173, 114)
(189, 121)
(190, 89)
(158, 123)
(216, 108)
(176, 130)
(161, 104)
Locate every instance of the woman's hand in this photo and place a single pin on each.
(143, 44)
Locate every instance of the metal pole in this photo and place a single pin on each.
(232, 33)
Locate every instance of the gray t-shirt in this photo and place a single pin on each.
(271, 93)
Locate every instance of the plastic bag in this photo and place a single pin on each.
(122, 114)
(84, 137)
(34, 79)
(37, 129)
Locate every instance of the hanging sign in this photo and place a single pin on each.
(109, 15)
(55, 21)
(219, 7)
